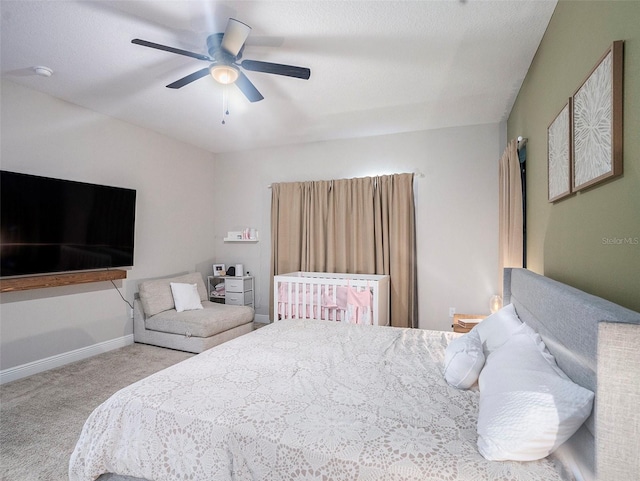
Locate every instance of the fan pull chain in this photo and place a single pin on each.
(225, 104)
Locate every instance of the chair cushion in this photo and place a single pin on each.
(185, 296)
(213, 319)
(156, 295)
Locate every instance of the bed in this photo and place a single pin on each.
(309, 399)
(354, 298)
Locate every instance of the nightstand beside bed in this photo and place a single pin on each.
(462, 324)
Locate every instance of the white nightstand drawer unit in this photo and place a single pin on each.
(238, 284)
(239, 298)
(239, 291)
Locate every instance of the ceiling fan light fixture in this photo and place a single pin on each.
(224, 74)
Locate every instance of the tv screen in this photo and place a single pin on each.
(52, 225)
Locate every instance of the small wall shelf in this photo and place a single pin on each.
(246, 234)
(228, 239)
(56, 280)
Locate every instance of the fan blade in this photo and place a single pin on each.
(145, 43)
(189, 78)
(248, 89)
(234, 37)
(276, 68)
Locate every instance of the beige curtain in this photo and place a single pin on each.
(510, 243)
(363, 226)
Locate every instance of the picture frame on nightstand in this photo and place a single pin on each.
(218, 270)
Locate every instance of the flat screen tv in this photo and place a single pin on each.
(53, 225)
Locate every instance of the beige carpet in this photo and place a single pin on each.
(41, 416)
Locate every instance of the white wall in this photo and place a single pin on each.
(456, 211)
(188, 199)
(174, 226)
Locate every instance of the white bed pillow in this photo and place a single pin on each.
(463, 360)
(528, 406)
(496, 329)
(185, 296)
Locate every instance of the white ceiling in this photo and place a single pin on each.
(376, 67)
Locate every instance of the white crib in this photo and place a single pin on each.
(315, 295)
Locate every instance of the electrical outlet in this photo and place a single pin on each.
(131, 313)
(452, 311)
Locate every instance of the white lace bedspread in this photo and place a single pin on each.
(298, 400)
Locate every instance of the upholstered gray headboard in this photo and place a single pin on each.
(596, 343)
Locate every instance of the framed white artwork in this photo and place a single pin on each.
(597, 121)
(559, 154)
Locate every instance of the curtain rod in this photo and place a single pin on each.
(522, 141)
(416, 172)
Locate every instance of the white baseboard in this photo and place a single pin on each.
(41, 365)
(261, 318)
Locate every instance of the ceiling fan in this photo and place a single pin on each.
(225, 51)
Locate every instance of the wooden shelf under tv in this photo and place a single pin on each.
(56, 280)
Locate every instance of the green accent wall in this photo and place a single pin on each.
(590, 240)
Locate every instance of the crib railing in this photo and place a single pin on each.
(321, 295)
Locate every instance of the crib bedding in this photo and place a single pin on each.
(353, 298)
(332, 301)
(298, 400)
(335, 303)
